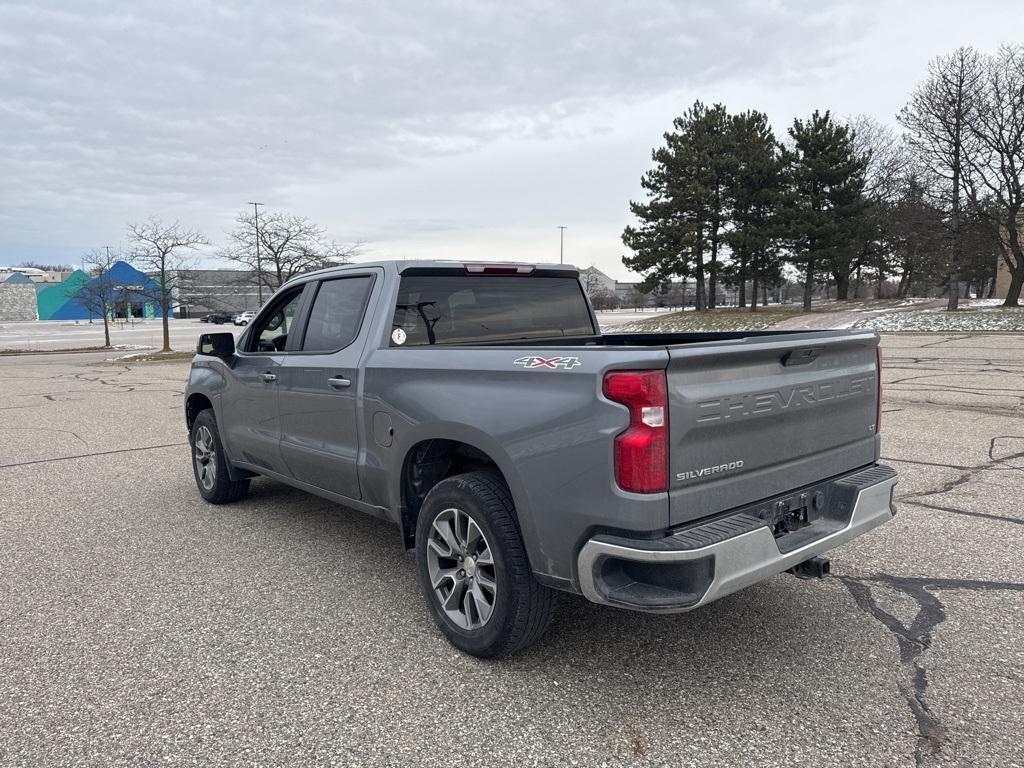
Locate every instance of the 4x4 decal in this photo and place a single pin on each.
(534, 361)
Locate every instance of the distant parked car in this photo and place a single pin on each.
(217, 318)
(244, 318)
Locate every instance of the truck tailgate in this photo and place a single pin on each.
(751, 418)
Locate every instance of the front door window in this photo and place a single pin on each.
(270, 333)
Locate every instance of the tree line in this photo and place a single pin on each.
(288, 245)
(848, 203)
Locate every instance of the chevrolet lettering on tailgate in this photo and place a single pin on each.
(758, 403)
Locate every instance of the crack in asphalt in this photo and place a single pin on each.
(940, 465)
(994, 464)
(966, 512)
(75, 435)
(894, 362)
(946, 374)
(988, 410)
(914, 640)
(946, 487)
(87, 455)
(945, 341)
(992, 449)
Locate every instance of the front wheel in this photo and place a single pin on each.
(473, 570)
(209, 463)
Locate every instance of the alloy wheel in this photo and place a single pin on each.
(461, 569)
(205, 458)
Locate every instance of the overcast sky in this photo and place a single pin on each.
(433, 130)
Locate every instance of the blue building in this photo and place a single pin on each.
(130, 293)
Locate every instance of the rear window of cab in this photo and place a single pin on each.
(463, 309)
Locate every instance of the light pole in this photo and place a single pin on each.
(561, 244)
(259, 266)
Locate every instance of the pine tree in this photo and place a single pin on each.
(712, 155)
(754, 194)
(825, 201)
(683, 218)
(915, 236)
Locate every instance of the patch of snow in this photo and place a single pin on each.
(970, 320)
(982, 302)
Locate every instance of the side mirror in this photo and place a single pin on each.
(275, 322)
(216, 344)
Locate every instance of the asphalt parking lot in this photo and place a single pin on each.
(140, 626)
(135, 334)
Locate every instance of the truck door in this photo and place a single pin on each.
(320, 384)
(249, 408)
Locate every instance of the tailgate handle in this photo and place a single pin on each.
(801, 356)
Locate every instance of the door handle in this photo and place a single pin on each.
(339, 382)
(268, 377)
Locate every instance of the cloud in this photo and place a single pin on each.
(118, 103)
(114, 111)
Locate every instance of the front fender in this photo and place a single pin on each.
(207, 379)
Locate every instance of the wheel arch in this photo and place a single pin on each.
(196, 403)
(429, 460)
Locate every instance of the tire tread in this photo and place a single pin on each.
(533, 603)
(535, 612)
(226, 490)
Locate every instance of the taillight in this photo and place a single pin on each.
(641, 451)
(878, 373)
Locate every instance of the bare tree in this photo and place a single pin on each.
(996, 178)
(674, 294)
(162, 251)
(602, 298)
(636, 298)
(886, 152)
(288, 246)
(97, 296)
(889, 162)
(938, 119)
(591, 280)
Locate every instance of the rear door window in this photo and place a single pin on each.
(337, 313)
(461, 309)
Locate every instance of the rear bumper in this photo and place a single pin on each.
(700, 564)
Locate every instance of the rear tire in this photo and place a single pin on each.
(473, 570)
(209, 462)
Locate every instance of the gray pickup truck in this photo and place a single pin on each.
(520, 451)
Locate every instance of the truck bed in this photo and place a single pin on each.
(657, 339)
(751, 414)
